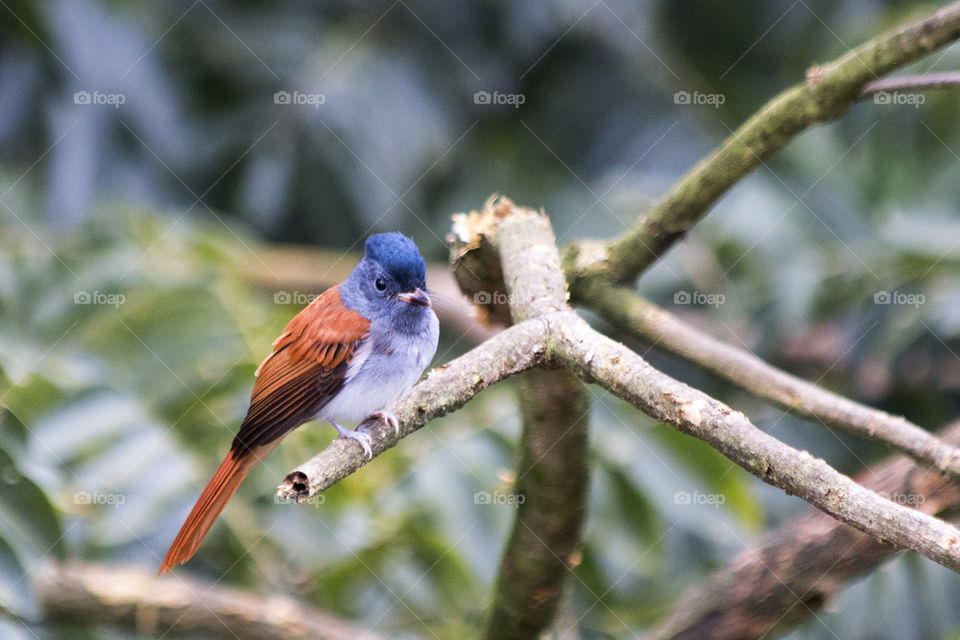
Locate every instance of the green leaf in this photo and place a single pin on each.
(16, 596)
(28, 521)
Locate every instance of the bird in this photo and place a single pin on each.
(354, 349)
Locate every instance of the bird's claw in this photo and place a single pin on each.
(390, 418)
(363, 438)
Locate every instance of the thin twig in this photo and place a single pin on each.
(946, 80)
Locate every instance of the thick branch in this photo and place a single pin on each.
(552, 477)
(531, 263)
(135, 599)
(445, 389)
(596, 358)
(827, 93)
(798, 568)
(634, 315)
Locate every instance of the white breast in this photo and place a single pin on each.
(382, 368)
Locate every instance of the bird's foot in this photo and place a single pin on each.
(363, 438)
(390, 418)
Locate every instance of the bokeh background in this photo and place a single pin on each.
(157, 160)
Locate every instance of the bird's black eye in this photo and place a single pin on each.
(380, 284)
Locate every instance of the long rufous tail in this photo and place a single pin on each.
(210, 503)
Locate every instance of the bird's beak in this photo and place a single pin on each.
(416, 297)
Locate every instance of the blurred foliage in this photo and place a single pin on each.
(128, 336)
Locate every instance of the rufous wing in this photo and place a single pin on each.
(306, 369)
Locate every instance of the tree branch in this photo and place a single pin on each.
(635, 316)
(519, 253)
(826, 94)
(946, 80)
(552, 477)
(596, 358)
(135, 599)
(795, 570)
(531, 262)
(445, 389)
